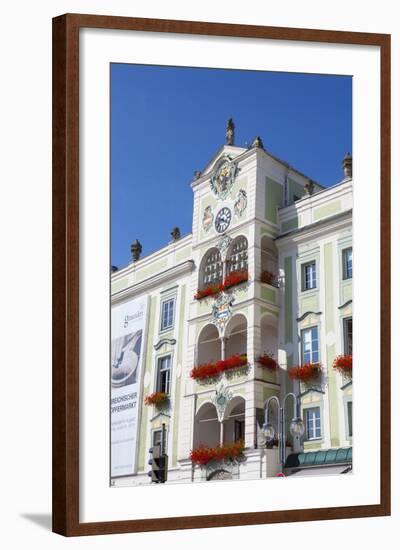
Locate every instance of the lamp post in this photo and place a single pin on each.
(296, 425)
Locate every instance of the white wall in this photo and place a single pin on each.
(25, 275)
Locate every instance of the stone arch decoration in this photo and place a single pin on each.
(211, 268)
(219, 475)
(237, 254)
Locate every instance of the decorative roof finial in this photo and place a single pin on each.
(230, 132)
(136, 249)
(175, 234)
(257, 142)
(347, 164)
(309, 187)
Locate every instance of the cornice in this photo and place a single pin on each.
(155, 280)
(306, 314)
(331, 223)
(133, 267)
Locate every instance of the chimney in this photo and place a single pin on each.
(347, 165)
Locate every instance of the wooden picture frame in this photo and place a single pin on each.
(66, 273)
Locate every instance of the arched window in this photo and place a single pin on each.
(208, 345)
(269, 261)
(236, 333)
(206, 429)
(210, 268)
(237, 255)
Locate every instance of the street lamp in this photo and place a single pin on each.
(296, 425)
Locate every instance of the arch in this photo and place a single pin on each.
(208, 345)
(234, 420)
(211, 268)
(236, 335)
(269, 260)
(269, 335)
(206, 429)
(237, 257)
(219, 475)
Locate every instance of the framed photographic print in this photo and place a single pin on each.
(212, 186)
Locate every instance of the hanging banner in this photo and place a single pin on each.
(128, 323)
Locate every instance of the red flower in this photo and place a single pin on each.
(266, 360)
(235, 278)
(269, 278)
(156, 398)
(229, 452)
(209, 290)
(211, 370)
(343, 363)
(308, 371)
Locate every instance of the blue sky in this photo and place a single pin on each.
(167, 122)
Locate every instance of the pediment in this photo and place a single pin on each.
(225, 151)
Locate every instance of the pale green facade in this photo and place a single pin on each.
(276, 228)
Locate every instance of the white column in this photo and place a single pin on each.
(223, 339)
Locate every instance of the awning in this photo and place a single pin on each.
(326, 457)
(325, 471)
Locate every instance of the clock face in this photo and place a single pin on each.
(223, 220)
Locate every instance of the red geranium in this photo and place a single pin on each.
(211, 370)
(228, 452)
(156, 398)
(306, 372)
(343, 363)
(269, 278)
(266, 360)
(209, 290)
(235, 278)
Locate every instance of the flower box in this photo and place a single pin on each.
(208, 291)
(269, 278)
(234, 278)
(306, 372)
(221, 453)
(344, 364)
(267, 361)
(212, 370)
(157, 398)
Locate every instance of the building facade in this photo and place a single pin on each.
(265, 273)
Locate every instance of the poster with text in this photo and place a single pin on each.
(128, 322)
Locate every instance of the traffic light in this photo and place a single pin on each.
(159, 465)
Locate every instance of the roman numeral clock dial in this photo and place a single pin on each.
(223, 219)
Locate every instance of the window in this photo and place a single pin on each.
(347, 263)
(164, 374)
(237, 259)
(211, 268)
(350, 418)
(348, 335)
(309, 345)
(309, 276)
(313, 423)
(167, 313)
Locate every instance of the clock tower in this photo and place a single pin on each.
(234, 310)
